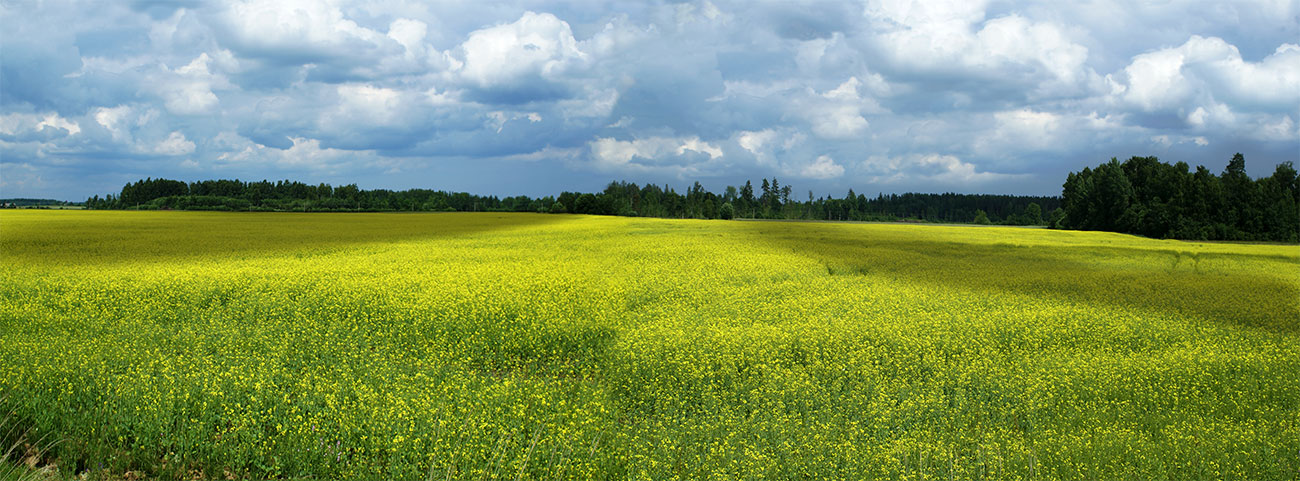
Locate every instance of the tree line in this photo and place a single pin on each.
(292, 196)
(1145, 196)
(1141, 195)
(774, 201)
(771, 200)
(23, 202)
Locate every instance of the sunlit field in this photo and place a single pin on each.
(529, 346)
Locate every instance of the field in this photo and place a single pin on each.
(528, 346)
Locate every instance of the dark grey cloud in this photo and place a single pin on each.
(537, 97)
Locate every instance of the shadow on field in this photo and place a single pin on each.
(1168, 281)
(85, 238)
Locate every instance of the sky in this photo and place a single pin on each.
(534, 98)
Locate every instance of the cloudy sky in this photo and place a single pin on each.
(538, 97)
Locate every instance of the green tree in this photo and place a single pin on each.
(981, 217)
(786, 190)
(1243, 196)
(731, 194)
(586, 204)
(775, 194)
(766, 200)
(1056, 219)
(1074, 199)
(727, 212)
(1111, 198)
(747, 199)
(1279, 195)
(558, 208)
(1033, 214)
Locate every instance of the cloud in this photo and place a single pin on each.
(823, 168)
(520, 61)
(1167, 140)
(677, 155)
(293, 31)
(838, 114)
(114, 119)
(54, 121)
(934, 95)
(1212, 67)
(369, 104)
(47, 125)
(1205, 84)
(778, 150)
(1042, 46)
(1026, 129)
(535, 45)
(174, 144)
(499, 118)
(957, 39)
(935, 169)
(187, 90)
(410, 34)
(304, 155)
(757, 143)
(35, 141)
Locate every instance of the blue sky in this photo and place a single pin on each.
(538, 97)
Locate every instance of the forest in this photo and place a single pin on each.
(22, 202)
(771, 200)
(1145, 196)
(1141, 195)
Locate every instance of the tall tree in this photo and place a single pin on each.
(1147, 197)
(747, 199)
(775, 203)
(766, 200)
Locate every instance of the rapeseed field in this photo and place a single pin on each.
(528, 346)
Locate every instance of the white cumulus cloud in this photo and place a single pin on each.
(823, 168)
(537, 44)
(678, 155)
(955, 36)
(301, 30)
(174, 144)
